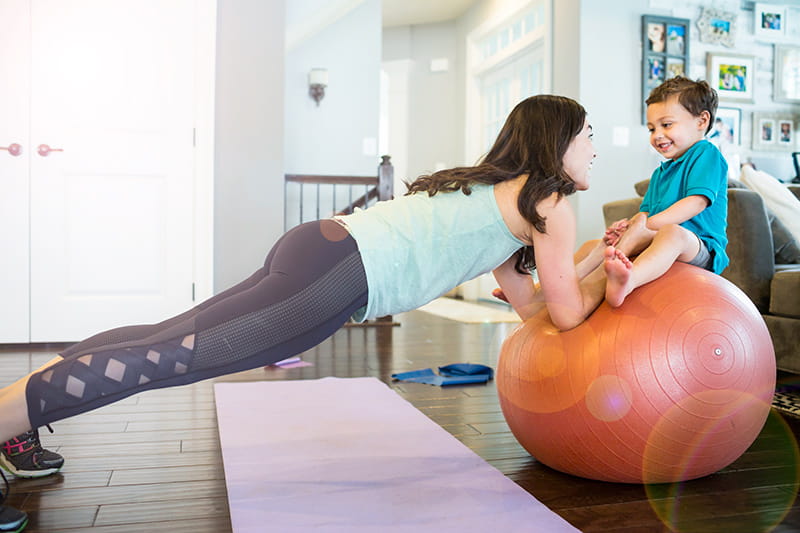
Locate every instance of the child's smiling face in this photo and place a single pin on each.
(673, 129)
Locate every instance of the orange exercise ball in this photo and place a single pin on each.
(674, 384)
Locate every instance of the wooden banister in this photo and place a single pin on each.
(379, 187)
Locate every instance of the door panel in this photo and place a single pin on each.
(111, 214)
(14, 96)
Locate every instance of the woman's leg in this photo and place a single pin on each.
(312, 281)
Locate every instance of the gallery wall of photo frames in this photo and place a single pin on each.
(666, 54)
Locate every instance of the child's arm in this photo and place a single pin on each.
(679, 212)
(641, 228)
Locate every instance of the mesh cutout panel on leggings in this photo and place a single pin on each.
(255, 332)
(82, 380)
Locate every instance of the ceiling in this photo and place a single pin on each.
(410, 12)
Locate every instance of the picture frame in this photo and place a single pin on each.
(770, 21)
(774, 132)
(786, 74)
(727, 129)
(732, 76)
(717, 27)
(665, 45)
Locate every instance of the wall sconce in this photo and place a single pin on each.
(317, 81)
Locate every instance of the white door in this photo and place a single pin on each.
(111, 202)
(14, 158)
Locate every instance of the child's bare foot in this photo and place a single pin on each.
(637, 236)
(618, 273)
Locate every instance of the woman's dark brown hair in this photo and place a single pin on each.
(533, 141)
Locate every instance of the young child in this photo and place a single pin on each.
(507, 214)
(684, 213)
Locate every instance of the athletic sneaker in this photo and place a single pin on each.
(11, 520)
(24, 456)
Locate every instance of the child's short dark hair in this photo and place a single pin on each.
(695, 96)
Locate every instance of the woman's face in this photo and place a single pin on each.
(579, 157)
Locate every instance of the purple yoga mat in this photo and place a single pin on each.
(350, 455)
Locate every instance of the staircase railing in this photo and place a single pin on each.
(315, 196)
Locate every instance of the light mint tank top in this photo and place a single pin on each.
(416, 248)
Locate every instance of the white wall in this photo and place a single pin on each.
(248, 189)
(433, 138)
(610, 90)
(329, 139)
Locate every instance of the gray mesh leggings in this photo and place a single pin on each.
(310, 284)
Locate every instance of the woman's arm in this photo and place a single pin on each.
(569, 291)
(518, 289)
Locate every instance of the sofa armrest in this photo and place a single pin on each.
(785, 293)
(619, 209)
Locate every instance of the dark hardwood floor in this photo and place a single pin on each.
(153, 463)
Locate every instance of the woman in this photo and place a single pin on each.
(507, 214)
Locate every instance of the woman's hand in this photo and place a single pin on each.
(614, 232)
(500, 295)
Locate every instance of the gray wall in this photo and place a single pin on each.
(329, 139)
(434, 138)
(248, 189)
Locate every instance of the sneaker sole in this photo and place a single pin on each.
(8, 466)
(16, 528)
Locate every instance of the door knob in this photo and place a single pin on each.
(13, 149)
(45, 150)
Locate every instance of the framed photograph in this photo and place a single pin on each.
(717, 27)
(787, 73)
(770, 21)
(785, 133)
(727, 128)
(675, 67)
(665, 42)
(732, 75)
(774, 132)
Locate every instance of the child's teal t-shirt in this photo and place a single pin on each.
(416, 248)
(700, 171)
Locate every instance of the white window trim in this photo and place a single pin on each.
(477, 67)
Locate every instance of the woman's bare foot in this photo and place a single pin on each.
(618, 273)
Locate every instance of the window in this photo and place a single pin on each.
(508, 60)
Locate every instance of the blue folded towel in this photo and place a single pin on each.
(455, 374)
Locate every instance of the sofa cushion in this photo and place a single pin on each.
(778, 198)
(787, 248)
(784, 292)
(619, 209)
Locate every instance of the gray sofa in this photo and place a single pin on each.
(765, 263)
